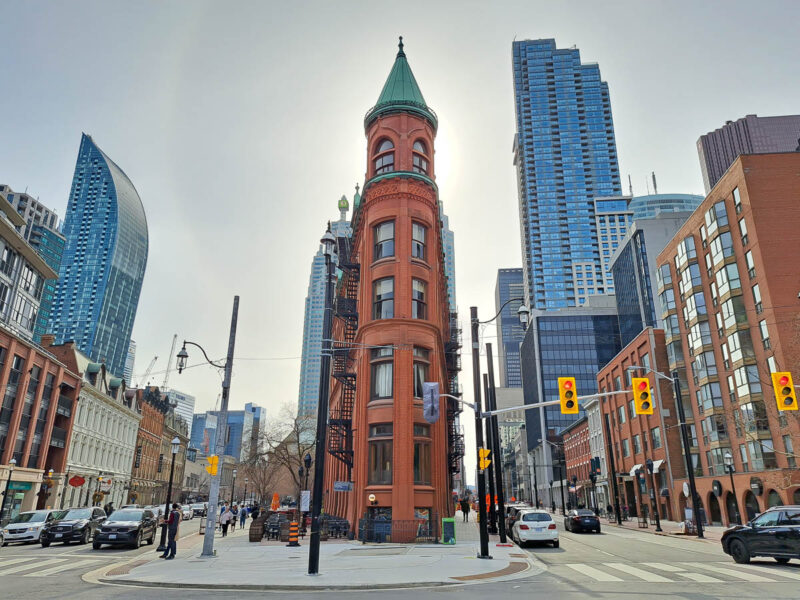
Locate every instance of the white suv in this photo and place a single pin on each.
(534, 526)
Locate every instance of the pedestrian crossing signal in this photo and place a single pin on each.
(213, 464)
(567, 395)
(642, 395)
(484, 461)
(783, 386)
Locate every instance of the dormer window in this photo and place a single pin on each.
(420, 158)
(384, 157)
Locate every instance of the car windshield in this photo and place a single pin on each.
(585, 513)
(126, 515)
(30, 517)
(76, 513)
(536, 517)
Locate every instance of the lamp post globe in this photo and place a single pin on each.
(183, 356)
(523, 314)
(328, 242)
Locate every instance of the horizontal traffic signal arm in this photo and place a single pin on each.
(491, 413)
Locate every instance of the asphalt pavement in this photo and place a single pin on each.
(616, 564)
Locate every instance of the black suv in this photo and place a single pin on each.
(127, 527)
(72, 525)
(774, 533)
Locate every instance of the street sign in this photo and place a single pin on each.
(105, 485)
(305, 500)
(685, 489)
(342, 486)
(430, 401)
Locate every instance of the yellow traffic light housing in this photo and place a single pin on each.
(642, 395)
(213, 464)
(484, 461)
(785, 394)
(568, 396)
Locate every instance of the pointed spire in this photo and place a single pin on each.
(401, 92)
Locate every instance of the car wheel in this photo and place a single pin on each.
(782, 559)
(85, 537)
(152, 539)
(556, 544)
(739, 552)
(45, 544)
(96, 545)
(138, 542)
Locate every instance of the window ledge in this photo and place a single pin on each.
(384, 261)
(420, 262)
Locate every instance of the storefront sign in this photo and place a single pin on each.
(76, 481)
(342, 486)
(20, 485)
(757, 486)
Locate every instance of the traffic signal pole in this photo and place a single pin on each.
(491, 402)
(476, 382)
(491, 469)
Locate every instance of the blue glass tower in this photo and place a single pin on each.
(565, 153)
(104, 260)
(510, 333)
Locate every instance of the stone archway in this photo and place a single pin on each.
(751, 508)
(774, 499)
(714, 515)
(730, 508)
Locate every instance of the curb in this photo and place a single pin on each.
(667, 534)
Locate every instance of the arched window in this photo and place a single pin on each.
(420, 158)
(384, 157)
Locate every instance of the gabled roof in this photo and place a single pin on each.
(401, 93)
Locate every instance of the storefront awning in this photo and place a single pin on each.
(633, 470)
(657, 465)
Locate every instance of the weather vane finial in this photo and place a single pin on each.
(400, 45)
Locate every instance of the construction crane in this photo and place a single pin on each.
(169, 362)
(147, 373)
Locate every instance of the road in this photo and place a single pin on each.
(617, 564)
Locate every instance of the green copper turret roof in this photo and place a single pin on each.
(401, 93)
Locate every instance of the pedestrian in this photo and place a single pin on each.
(553, 507)
(234, 516)
(609, 509)
(465, 510)
(223, 508)
(108, 508)
(242, 517)
(255, 511)
(172, 532)
(224, 520)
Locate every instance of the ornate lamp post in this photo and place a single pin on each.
(728, 460)
(11, 464)
(244, 496)
(176, 445)
(233, 486)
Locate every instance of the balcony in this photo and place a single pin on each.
(59, 437)
(64, 407)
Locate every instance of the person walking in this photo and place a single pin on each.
(172, 532)
(108, 508)
(465, 510)
(224, 520)
(242, 516)
(222, 510)
(234, 516)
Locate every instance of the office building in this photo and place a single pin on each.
(239, 435)
(449, 247)
(510, 333)
(727, 286)
(42, 231)
(104, 260)
(130, 361)
(394, 317)
(652, 205)
(612, 216)
(184, 406)
(749, 135)
(565, 154)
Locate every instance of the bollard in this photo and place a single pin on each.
(293, 529)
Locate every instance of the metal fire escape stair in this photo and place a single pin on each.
(455, 438)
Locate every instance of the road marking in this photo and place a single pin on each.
(728, 572)
(59, 568)
(595, 574)
(664, 567)
(700, 577)
(35, 564)
(641, 574)
(773, 570)
(10, 561)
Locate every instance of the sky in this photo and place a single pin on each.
(241, 125)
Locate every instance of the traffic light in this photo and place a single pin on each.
(642, 396)
(783, 386)
(567, 395)
(213, 463)
(484, 461)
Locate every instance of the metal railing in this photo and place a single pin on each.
(399, 531)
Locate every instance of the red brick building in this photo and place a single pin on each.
(578, 457)
(728, 286)
(399, 293)
(635, 439)
(148, 459)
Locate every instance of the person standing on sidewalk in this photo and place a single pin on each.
(242, 516)
(224, 519)
(234, 516)
(172, 532)
(465, 509)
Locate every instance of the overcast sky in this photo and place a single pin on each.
(241, 124)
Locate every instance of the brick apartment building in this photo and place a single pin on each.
(637, 438)
(148, 461)
(728, 286)
(578, 456)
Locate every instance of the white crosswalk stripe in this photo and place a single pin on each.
(778, 571)
(664, 567)
(677, 572)
(7, 562)
(61, 568)
(595, 574)
(730, 573)
(33, 564)
(640, 573)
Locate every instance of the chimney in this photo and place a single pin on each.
(48, 340)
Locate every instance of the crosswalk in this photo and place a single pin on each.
(662, 572)
(37, 566)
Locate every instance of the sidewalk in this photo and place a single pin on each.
(242, 565)
(711, 533)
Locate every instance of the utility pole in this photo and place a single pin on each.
(491, 402)
(493, 464)
(476, 383)
(676, 386)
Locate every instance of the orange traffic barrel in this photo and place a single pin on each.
(294, 528)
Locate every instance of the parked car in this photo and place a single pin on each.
(27, 526)
(511, 513)
(127, 527)
(774, 533)
(581, 519)
(534, 525)
(199, 509)
(2, 538)
(187, 512)
(157, 510)
(73, 525)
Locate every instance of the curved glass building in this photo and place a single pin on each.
(104, 260)
(646, 207)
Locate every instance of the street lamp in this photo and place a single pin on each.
(233, 486)
(676, 387)
(176, 446)
(328, 242)
(11, 464)
(728, 460)
(307, 461)
(653, 496)
(244, 496)
(213, 492)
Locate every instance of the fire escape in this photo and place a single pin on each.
(340, 421)
(453, 360)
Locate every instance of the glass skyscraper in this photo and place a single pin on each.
(566, 156)
(448, 245)
(104, 260)
(510, 333)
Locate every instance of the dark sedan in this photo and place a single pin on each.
(73, 525)
(127, 527)
(581, 520)
(774, 533)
